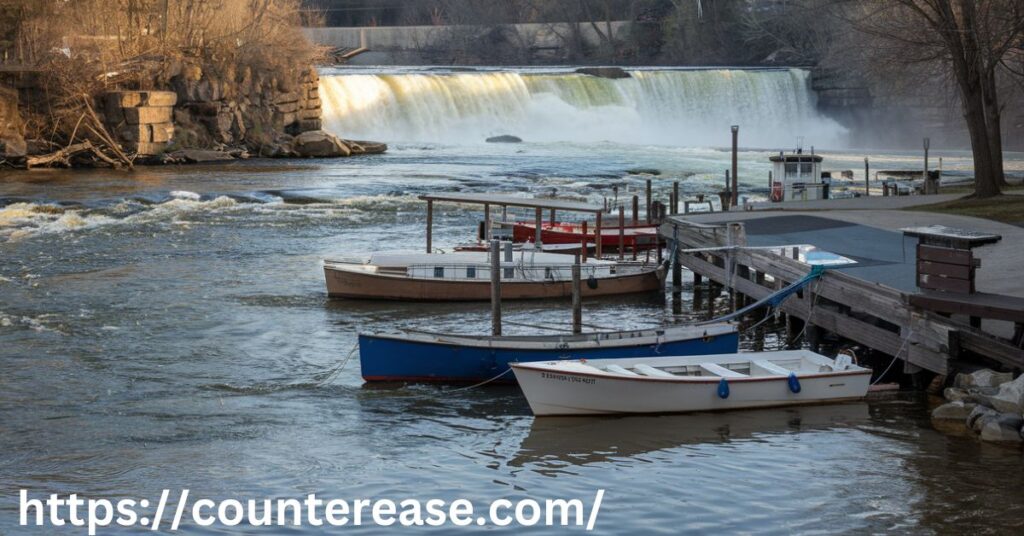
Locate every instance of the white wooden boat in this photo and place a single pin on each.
(466, 276)
(689, 383)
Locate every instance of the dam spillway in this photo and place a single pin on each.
(693, 107)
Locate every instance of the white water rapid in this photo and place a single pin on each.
(692, 108)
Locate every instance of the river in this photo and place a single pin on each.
(168, 328)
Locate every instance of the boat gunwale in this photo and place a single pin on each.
(686, 379)
(545, 342)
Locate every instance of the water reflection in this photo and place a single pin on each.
(587, 440)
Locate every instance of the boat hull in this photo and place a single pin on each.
(394, 358)
(370, 286)
(569, 393)
(634, 237)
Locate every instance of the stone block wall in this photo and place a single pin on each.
(12, 129)
(142, 121)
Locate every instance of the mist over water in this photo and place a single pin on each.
(692, 108)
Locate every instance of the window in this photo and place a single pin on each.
(805, 168)
(471, 272)
(439, 271)
(790, 169)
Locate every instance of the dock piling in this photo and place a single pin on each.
(495, 288)
(636, 210)
(648, 186)
(675, 198)
(584, 246)
(677, 285)
(597, 236)
(577, 299)
(537, 229)
(430, 223)
(622, 233)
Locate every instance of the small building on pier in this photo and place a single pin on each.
(797, 177)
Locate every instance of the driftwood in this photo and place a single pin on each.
(100, 132)
(63, 156)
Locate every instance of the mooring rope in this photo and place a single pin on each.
(481, 384)
(333, 374)
(895, 357)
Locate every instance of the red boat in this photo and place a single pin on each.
(637, 237)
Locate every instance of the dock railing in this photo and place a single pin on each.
(869, 313)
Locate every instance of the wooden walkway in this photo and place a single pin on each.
(869, 313)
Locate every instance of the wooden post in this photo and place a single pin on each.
(648, 200)
(597, 236)
(622, 233)
(537, 231)
(677, 285)
(586, 244)
(487, 221)
(551, 219)
(430, 223)
(504, 213)
(495, 288)
(577, 299)
(675, 197)
(636, 210)
(735, 170)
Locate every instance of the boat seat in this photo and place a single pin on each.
(717, 370)
(648, 370)
(771, 368)
(615, 369)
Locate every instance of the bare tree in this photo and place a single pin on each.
(973, 41)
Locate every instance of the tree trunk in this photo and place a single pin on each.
(985, 179)
(994, 123)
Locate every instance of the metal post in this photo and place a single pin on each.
(495, 288)
(867, 177)
(597, 236)
(430, 223)
(927, 180)
(536, 236)
(648, 200)
(577, 299)
(636, 210)
(622, 233)
(735, 170)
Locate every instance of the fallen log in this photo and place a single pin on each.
(63, 156)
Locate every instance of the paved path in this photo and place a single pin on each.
(874, 236)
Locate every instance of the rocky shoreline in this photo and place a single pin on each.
(199, 115)
(984, 403)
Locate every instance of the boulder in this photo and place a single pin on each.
(504, 138)
(12, 147)
(643, 171)
(198, 156)
(367, 147)
(982, 378)
(954, 394)
(1004, 427)
(979, 416)
(953, 411)
(1010, 398)
(319, 144)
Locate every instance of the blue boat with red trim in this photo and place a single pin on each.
(436, 357)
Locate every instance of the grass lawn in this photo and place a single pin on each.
(1004, 208)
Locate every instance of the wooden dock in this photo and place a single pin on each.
(870, 313)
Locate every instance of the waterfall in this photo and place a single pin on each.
(665, 107)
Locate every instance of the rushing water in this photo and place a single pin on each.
(168, 328)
